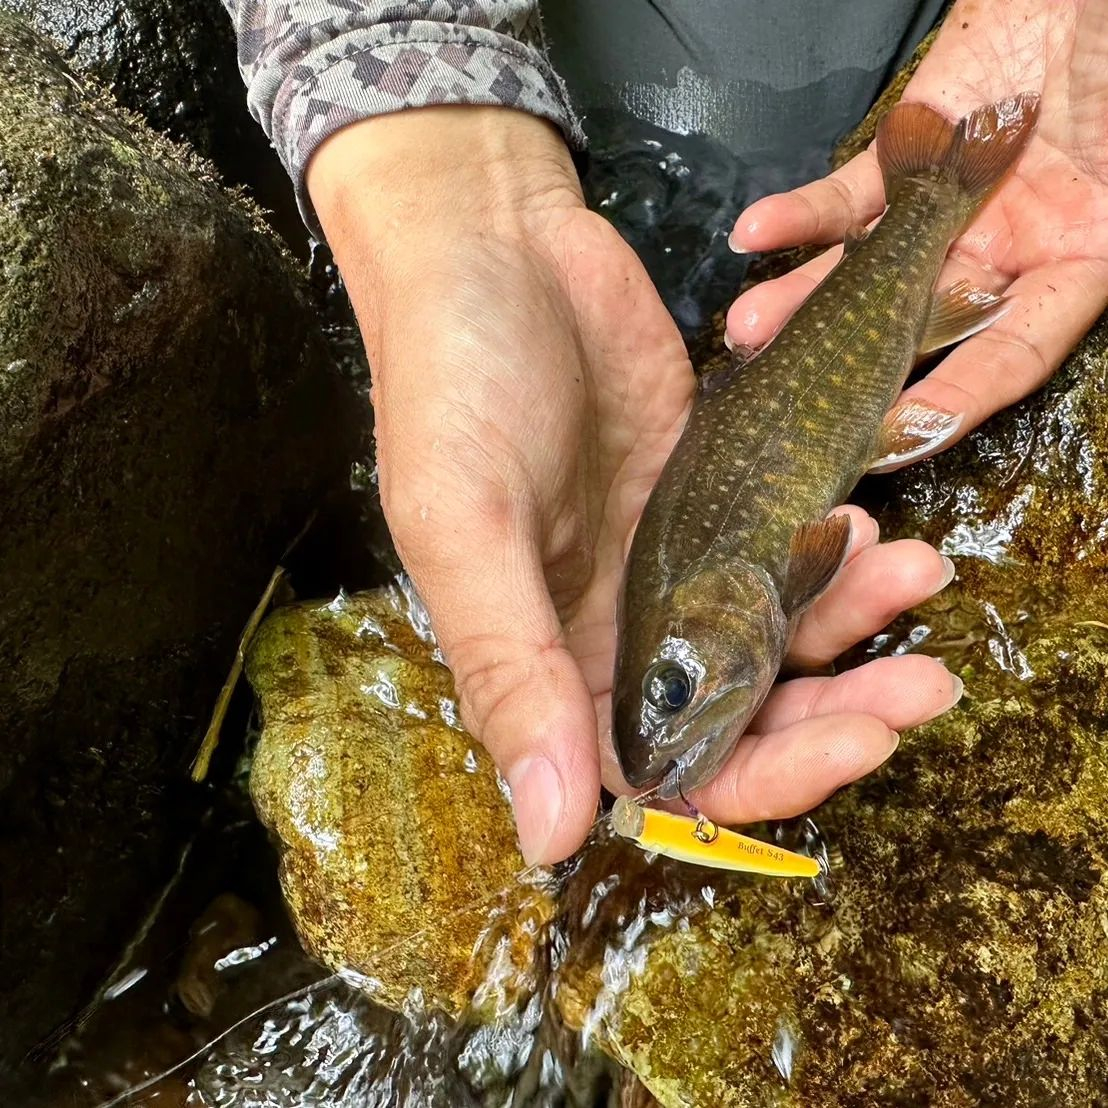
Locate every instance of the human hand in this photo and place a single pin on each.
(528, 385)
(1043, 237)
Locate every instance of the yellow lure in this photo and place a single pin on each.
(704, 844)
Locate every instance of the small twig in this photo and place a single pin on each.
(211, 736)
(202, 761)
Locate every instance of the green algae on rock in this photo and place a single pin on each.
(398, 849)
(155, 345)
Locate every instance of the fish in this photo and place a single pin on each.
(704, 844)
(736, 539)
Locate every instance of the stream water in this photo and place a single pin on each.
(212, 1003)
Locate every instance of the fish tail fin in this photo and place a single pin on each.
(975, 153)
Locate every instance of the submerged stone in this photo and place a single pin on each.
(169, 416)
(398, 849)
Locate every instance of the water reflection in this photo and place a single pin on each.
(675, 198)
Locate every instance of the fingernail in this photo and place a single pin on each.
(949, 571)
(876, 529)
(735, 248)
(894, 738)
(749, 228)
(728, 341)
(536, 788)
(958, 686)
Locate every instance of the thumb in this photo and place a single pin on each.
(520, 690)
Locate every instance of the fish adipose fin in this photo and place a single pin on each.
(854, 238)
(913, 430)
(958, 312)
(815, 555)
(914, 140)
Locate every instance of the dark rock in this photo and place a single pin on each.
(169, 415)
(174, 63)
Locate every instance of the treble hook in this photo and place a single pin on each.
(705, 831)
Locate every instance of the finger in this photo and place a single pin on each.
(521, 692)
(902, 692)
(820, 212)
(864, 530)
(759, 313)
(790, 771)
(1052, 308)
(867, 595)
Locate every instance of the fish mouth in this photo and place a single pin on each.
(712, 734)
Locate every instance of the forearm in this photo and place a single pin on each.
(312, 67)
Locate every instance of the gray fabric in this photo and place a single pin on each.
(762, 77)
(313, 66)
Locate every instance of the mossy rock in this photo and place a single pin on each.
(174, 63)
(169, 416)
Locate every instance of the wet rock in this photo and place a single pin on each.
(174, 63)
(229, 923)
(963, 956)
(168, 418)
(399, 856)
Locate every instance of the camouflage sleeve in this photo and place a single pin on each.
(313, 66)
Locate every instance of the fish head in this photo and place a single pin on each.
(692, 669)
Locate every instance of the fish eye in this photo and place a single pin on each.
(667, 686)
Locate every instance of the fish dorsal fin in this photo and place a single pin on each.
(854, 238)
(959, 311)
(913, 430)
(914, 140)
(712, 380)
(815, 555)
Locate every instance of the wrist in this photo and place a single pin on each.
(428, 171)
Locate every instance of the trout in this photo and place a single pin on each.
(735, 540)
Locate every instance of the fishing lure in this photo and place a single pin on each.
(704, 843)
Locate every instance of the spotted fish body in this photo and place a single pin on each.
(789, 438)
(734, 541)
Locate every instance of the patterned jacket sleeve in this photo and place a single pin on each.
(313, 66)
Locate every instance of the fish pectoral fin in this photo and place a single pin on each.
(913, 430)
(815, 555)
(959, 311)
(712, 379)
